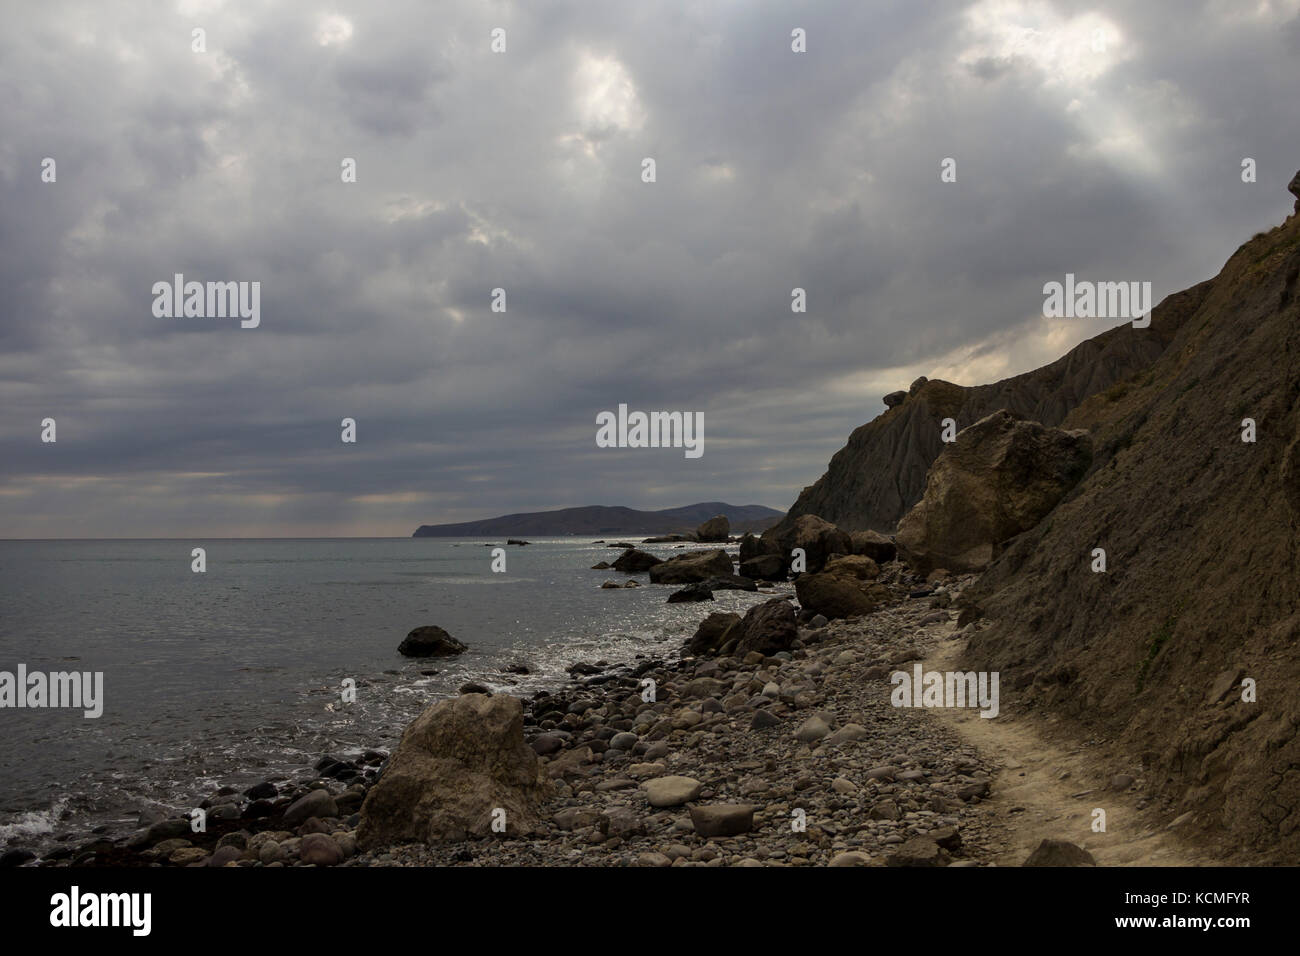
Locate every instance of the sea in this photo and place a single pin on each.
(239, 672)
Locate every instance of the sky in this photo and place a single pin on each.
(1100, 139)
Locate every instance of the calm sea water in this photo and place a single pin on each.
(235, 674)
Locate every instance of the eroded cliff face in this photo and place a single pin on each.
(1201, 590)
(880, 474)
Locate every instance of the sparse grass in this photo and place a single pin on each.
(1158, 638)
(1116, 391)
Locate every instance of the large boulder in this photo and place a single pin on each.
(691, 567)
(752, 546)
(763, 567)
(854, 566)
(874, 545)
(731, 582)
(714, 631)
(717, 528)
(635, 561)
(457, 763)
(836, 596)
(819, 539)
(894, 399)
(430, 641)
(999, 478)
(768, 628)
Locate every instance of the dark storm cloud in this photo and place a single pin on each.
(1101, 139)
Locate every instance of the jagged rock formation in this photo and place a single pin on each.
(873, 481)
(999, 478)
(1201, 533)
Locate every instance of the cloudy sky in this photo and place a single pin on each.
(1103, 139)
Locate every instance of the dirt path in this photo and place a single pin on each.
(1045, 790)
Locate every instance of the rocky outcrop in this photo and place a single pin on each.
(634, 561)
(818, 538)
(716, 529)
(880, 473)
(1202, 571)
(459, 763)
(692, 567)
(999, 478)
(430, 641)
(874, 545)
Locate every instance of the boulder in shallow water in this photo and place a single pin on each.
(763, 567)
(635, 561)
(692, 567)
(430, 641)
(717, 528)
(692, 592)
(731, 582)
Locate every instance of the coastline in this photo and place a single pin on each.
(807, 733)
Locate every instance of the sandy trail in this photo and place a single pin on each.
(1045, 790)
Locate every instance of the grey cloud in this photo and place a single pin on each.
(478, 171)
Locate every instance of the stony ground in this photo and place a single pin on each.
(808, 739)
(795, 759)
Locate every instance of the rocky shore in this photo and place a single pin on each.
(794, 759)
(792, 756)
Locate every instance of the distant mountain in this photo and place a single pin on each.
(602, 520)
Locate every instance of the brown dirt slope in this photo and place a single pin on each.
(873, 481)
(1202, 588)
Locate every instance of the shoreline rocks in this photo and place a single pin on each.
(692, 567)
(684, 761)
(461, 768)
(430, 641)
